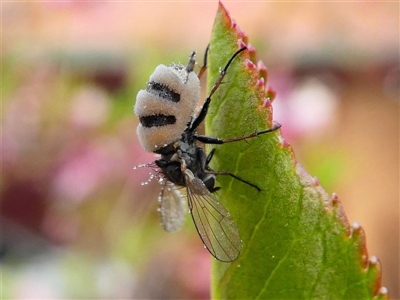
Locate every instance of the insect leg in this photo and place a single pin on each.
(234, 176)
(212, 140)
(204, 67)
(210, 156)
(207, 178)
(206, 169)
(206, 104)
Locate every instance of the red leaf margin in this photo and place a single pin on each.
(332, 205)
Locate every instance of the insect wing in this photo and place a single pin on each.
(213, 222)
(172, 207)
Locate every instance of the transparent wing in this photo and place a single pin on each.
(213, 222)
(172, 207)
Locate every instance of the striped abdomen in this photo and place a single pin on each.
(166, 106)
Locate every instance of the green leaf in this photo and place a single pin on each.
(297, 241)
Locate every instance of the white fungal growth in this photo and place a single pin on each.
(185, 86)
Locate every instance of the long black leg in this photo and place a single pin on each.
(204, 67)
(207, 170)
(212, 140)
(206, 104)
(234, 176)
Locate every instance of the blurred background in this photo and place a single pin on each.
(76, 221)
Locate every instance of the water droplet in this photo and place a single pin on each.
(373, 260)
(383, 290)
(356, 225)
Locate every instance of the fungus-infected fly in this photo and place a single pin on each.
(168, 127)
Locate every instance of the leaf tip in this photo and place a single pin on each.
(371, 265)
(374, 269)
(283, 143)
(358, 235)
(373, 260)
(340, 214)
(315, 181)
(356, 226)
(335, 199)
(250, 64)
(262, 70)
(267, 103)
(252, 52)
(256, 71)
(228, 20)
(260, 82)
(241, 43)
(383, 293)
(270, 94)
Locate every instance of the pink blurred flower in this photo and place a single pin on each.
(85, 171)
(305, 106)
(89, 107)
